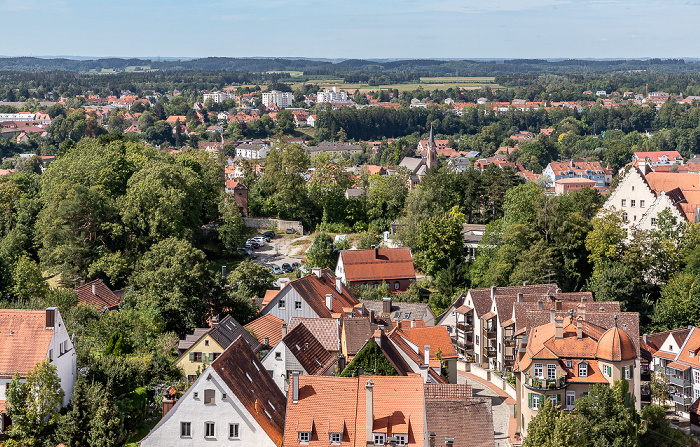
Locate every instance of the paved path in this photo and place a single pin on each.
(504, 423)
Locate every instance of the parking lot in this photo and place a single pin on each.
(289, 250)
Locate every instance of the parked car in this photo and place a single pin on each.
(270, 234)
(295, 265)
(260, 240)
(291, 231)
(252, 244)
(286, 268)
(276, 270)
(245, 251)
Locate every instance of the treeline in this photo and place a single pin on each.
(427, 67)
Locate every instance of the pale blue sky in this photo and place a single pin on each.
(352, 29)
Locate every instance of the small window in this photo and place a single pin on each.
(396, 285)
(233, 431)
(50, 355)
(195, 395)
(624, 217)
(623, 202)
(209, 397)
(691, 353)
(535, 401)
(633, 202)
(223, 396)
(281, 304)
(538, 370)
(191, 378)
(209, 430)
(379, 439)
(628, 372)
(401, 439)
(641, 203)
(551, 371)
(335, 438)
(304, 437)
(278, 356)
(185, 429)
(632, 190)
(297, 305)
(568, 363)
(653, 221)
(206, 342)
(583, 370)
(407, 315)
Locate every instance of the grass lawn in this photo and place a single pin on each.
(139, 435)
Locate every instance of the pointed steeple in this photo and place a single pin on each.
(431, 140)
(432, 150)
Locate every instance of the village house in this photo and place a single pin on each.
(319, 295)
(659, 158)
(568, 185)
(239, 191)
(96, 293)
(334, 150)
(252, 150)
(267, 329)
(30, 337)
(579, 168)
(325, 330)
(205, 345)
(374, 266)
(234, 401)
(394, 312)
(298, 352)
(562, 359)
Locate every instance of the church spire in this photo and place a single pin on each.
(431, 140)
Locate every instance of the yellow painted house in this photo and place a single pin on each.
(205, 345)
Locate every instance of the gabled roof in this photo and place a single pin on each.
(482, 297)
(357, 331)
(668, 181)
(96, 293)
(400, 310)
(223, 333)
(25, 340)
(266, 326)
(378, 264)
(327, 404)
(325, 330)
(308, 350)
(313, 291)
(435, 337)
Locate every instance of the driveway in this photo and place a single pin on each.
(289, 249)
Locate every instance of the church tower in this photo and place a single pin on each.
(432, 150)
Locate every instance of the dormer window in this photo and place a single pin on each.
(401, 439)
(583, 370)
(379, 439)
(304, 437)
(335, 438)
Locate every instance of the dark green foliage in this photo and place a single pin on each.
(132, 407)
(371, 360)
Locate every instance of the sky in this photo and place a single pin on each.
(349, 29)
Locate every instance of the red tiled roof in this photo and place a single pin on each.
(96, 293)
(435, 337)
(656, 155)
(269, 296)
(313, 290)
(25, 340)
(389, 263)
(266, 326)
(308, 350)
(325, 330)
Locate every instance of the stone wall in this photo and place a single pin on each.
(274, 224)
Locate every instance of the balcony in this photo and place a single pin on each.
(544, 384)
(490, 331)
(508, 341)
(461, 343)
(509, 360)
(490, 351)
(465, 327)
(682, 400)
(678, 381)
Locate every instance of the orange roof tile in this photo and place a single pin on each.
(667, 181)
(266, 326)
(387, 264)
(23, 332)
(436, 337)
(615, 345)
(96, 293)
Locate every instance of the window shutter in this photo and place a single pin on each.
(191, 356)
(559, 399)
(585, 393)
(627, 400)
(529, 400)
(211, 356)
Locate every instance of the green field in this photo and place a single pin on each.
(291, 72)
(457, 80)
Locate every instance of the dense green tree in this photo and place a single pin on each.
(28, 281)
(232, 230)
(439, 241)
(322, 252)
(250, 280)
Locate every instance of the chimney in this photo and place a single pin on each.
(94, 289)
(371, 316)
(493, 292)
(283, 282)
(223, 271)
(295, 387)
(526, 283)
(82, 282)
(582, 311)
(215, 322)
(540, 305)
(339, 285)
(168, 401)
(341, 363)
(50, 316)
(317, 271)
(413, 324)
(329, 301)
(369, 405)
(557, 304)
(284, 329)
(552, 315)
(645, 337)
(431, 441)
(426, 354)
(579, 328)
(520, 297)
(386, 305)
(559, 328)
(376, 252)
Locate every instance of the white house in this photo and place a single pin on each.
(233, 402)
(282, 99)
(252, 151)
(659, 158)
(331, 96)
(29, 337)
(311, 121)
(298, 351)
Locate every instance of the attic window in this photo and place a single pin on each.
(304, 437)
(397, 314)
(268, 414)
(691, 353)
(407, 315)
(335, 438)
(256, 366)
(248, 377)
(271, 406)
(206, 342)
(568, 363)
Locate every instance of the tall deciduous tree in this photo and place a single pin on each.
(439, 241)
(322, 252)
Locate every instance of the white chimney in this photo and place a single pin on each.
(94, 289)
(329, 301)
(317, 271)
(338, 285)
(295, 387)
(413, 324)
(283, 282)
(426, 354)
(369, 404)
(493, 292)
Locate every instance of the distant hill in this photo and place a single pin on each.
(324, 67)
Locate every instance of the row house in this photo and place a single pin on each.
(562, 359)
(372, 267)
(578, 169)
(483, 322)
(676, 354)
(659, 158)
